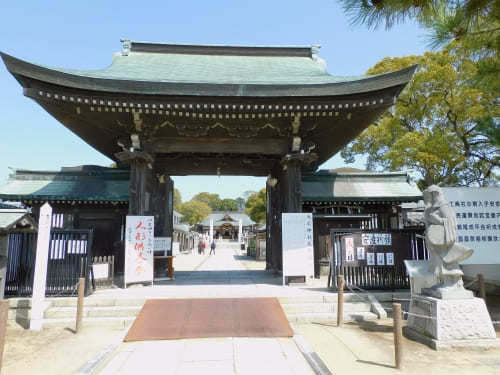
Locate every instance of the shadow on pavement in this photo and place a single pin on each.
(375, 363)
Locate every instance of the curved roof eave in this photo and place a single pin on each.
(20, 68)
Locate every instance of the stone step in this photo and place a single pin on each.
(93, 312)
(96, 302)
(326, 298)
(330, 317)
(298, 308)
(120, 322)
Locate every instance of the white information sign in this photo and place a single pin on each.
(298, 250)
(382, 239)
(349, 249)
(370, 259)
(478, 221)
(360, 253)
(139, 242)
(380, 259)
(390, 259)
(101, 271)
(176, 248)
(163, 244)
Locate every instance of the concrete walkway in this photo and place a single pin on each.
(228, 273)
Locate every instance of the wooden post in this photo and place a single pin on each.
(4, 313)
(398, 334)
(79, 306)
(170, 267)
(340, 301)
(482, 288)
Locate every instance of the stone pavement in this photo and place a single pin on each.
(228, 273)
(356, 348)
(209, 356)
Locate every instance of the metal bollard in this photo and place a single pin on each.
(340, 301)
(398, 334)
(482, 288)
(4, 312)
(79, 306)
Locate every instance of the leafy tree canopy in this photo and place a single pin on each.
(177, 199)
(240, 203)
(194, 211)
(475, 23)
(442, 127)
(228, 205)
(256, 206)
(213, 200)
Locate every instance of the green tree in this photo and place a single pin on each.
(177, 199)
(228, 204)
(240, 202)
(437, 125)
(256, 206)
(475, 23)
(213, 200)
(194, 211)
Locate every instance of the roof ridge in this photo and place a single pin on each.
(218, 49)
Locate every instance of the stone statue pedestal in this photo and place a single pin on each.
(450, 323)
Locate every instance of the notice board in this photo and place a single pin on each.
(298, 248)
(139, 246)
(478, 221)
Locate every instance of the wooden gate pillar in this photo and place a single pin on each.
(291, 196)
(141, 181)
(163, 205)
(291, 179)
(273, 231)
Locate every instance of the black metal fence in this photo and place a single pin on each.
(405, 244)
(373, 277)
(70, 257)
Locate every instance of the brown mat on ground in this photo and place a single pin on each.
(167, 319)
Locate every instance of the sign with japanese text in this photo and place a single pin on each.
(380, 259)
(298, 250)
(478, 221)
(163, 244)
(360, 253)
(370, 259)
(381, 239)
(390, 259)
(139, 245)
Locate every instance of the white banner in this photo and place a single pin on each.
(478, 221)
(298, 250)
(139, 244)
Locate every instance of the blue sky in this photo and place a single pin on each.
(84, 34)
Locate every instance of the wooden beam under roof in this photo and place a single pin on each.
(221, 145)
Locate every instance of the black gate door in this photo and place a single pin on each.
(70, 257)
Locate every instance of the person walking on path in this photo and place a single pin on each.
(212, 247)
(201, 247)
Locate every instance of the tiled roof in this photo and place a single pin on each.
(354, 186)
(96, 185)
(11, 217)
(233, 216)
(172, 69)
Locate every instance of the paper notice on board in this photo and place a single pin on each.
(360, 253)
(370, 259)
(390, 259)
(380, 259)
